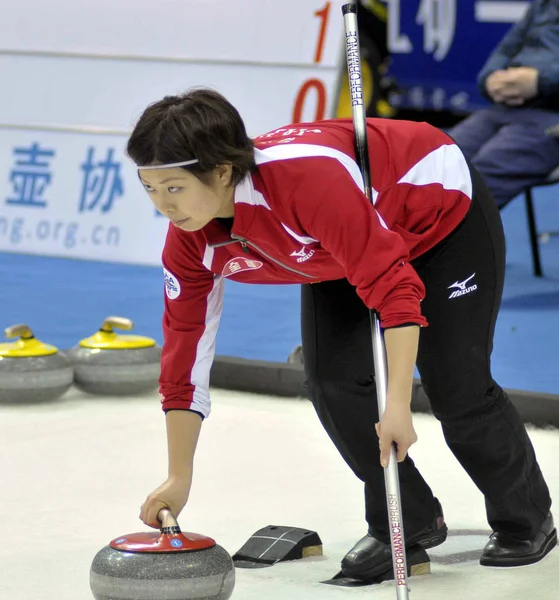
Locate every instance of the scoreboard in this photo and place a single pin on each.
(76, 75)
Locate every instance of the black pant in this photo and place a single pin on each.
(481, 426)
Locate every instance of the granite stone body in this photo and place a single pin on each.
(116, 372)
(35, 379)
(207, 574)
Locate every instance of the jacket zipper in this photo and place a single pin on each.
(245, 244)
(220, 244)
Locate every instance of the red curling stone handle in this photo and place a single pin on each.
(170, 538)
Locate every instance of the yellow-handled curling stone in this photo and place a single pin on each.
(164, 565)
(112, 364)
(31, 371)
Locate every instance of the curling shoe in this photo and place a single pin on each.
(504, 551)
(370, 557)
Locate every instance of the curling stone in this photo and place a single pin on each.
(165, 565)
(30, 371)
(110, 364)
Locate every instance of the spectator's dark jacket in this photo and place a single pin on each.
(532, 42)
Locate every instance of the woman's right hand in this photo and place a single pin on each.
(172, 494)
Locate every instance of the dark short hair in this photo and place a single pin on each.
(199, 124)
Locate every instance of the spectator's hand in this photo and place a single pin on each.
(494, 85)
(515, 85)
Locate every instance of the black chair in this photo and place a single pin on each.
(535, 238)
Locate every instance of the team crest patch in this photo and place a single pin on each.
(239, 264)
(172, 285)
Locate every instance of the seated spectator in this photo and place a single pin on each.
(507, 142)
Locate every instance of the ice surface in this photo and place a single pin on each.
(74, 474)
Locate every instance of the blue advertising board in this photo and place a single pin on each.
(437, 48)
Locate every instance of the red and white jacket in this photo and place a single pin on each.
(302, 217)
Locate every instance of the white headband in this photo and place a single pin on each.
(184, 163)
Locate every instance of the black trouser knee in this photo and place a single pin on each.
(339, 371)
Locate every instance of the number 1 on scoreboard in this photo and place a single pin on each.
(323, 15)
(315, 84)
